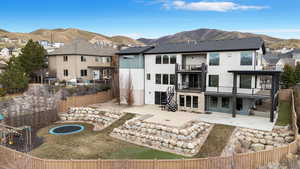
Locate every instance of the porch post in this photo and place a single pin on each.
(203, 77)
(234, 92)
(273, 90)
(176, 76)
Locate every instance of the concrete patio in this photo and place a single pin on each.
(179, 118)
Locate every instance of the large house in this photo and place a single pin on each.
(207, 76)
(81, 60)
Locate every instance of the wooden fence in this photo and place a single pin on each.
(12, 159)
(78, 101)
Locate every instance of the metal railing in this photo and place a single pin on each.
(273, 67)
(189, 86)
(195, 68)
(247, 91)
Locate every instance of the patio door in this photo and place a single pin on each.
(160, 98)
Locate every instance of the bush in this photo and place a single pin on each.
(2, 92)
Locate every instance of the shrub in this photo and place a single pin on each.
(2, 92)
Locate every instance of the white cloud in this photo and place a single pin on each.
(223, 6)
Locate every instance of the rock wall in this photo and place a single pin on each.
(250, 140)
(99, 118)
(36, 99)
(185, 141)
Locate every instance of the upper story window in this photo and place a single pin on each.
(66, 72)
(108, 60)
(213, 80)
(148, 76)
(246, 58)
(165, 79)
(65, 58)
(158, 59)
(97, 59)
(173, 59)
(158, 79)
(214, 59)
(172, 79)
(165, 59)
(83, 58)
(245, 81)
(83, 72)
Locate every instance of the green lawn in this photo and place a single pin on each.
(216, 141)
(94, 145)
(284, 114)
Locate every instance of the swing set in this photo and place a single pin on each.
(18, 138)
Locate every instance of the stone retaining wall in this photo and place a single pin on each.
(250, 140)
(99, 118)
(186, 140)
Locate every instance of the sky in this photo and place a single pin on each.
(153, 18)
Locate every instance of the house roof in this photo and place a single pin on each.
(209, 46)
(135, 50)
(271, 58)
(289, 54)
(83, 47)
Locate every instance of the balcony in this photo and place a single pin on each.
(189, 87)
(191, 68)
(262, 92)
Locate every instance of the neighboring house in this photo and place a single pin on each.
(2, 67)
(208, 76)
(4, 52)
(81, 60)
(290, 58)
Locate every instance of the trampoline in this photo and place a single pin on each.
(66, 129)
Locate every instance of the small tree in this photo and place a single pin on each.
(288, 76)
(14, 78)
(33, 58)
(129, 92)
(297, 72)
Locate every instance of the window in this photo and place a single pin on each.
(165, 79)
(245, 81)
(65, 58)
(66, 72)
(225, 102)
(213, 101)
(172, 79)
(165, 59)
(195, 102)
(148, 76)
(158, 79)
(246, 58)
(158, 59)
(83, 72)
(108, 59)
(83, 59)
(214, 59)
(213, 81)
(173, 59)
(181, 100)
(188, 101)
(160, 98)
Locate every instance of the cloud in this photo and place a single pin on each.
(216, 6)
(223, 6)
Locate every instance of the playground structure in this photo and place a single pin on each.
(18, 138)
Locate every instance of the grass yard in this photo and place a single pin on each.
(216, 141)
(284, 114)
(94, 145)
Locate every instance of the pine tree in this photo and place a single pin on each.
(297, 73)
(32, 58)
(14, 78)
(288, 76)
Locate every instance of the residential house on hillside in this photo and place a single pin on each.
(2, 67)
(81, 60)
(4, 52)
(290, 58)
(207, 76)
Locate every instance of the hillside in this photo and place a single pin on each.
(67, 35)
(214, 34)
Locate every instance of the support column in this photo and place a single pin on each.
(234, 92)
(203, 77)
(176, 77)
(273, 90)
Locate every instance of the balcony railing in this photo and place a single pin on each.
(273, 67)
(189, 86)
(247, 91)
(191, 68)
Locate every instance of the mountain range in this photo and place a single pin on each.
(214, 34)
(67, 35)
